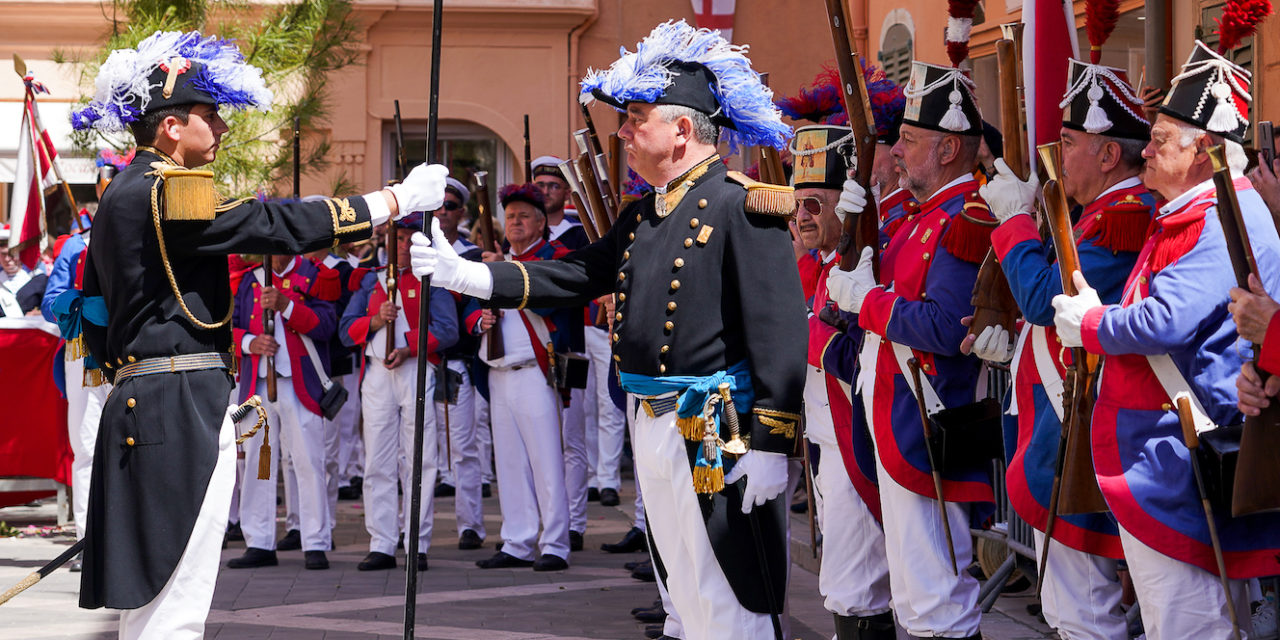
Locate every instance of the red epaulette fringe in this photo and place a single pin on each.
(967, 238)
(1122, 227)
(328, 284)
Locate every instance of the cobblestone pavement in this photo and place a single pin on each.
(456, 600)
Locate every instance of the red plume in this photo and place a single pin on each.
(1100, 20)
(958, 49)
(1240, 20)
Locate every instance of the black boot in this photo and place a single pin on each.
(976, 636)
(877, 627)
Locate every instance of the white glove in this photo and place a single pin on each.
(421, 190)
(853, 199)
(437, 257)
(1006, 195)
(1070, 311)
(850, 288)
(993, 345)
(766, 474)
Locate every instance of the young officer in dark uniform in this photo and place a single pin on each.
(160, 494)
(707, 293)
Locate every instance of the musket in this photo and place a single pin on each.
(1257, 482)
(570, 172)
(601, 166)
(592, 198)
(934, 471)
(238, 414)
(808, 494)
(993, 301)
(393, 246)
(528, 154)
(424, 363)
(1192, 440)
(495, 349)
(730, 416)
(594, 179)
(863, 229)
(768, 159)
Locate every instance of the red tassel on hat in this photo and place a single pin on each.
(1100, 20)
(1240, 19)
(961, 21)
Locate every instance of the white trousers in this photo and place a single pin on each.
(484, 435)
(854, 574)
(1180, 600)
(1081, 594)
(179, 611)
(605, 425)
(928, 600)
(389, 404)
(574, 437)
(350, 442)
(464, 447)
(530, 463)
(700, 593)
(84, 410)
(298, 433)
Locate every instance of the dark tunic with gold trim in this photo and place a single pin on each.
(704, 281)
(158, 438)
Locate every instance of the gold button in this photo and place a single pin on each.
(688, 242)
(616, 337)
(1142, 279)
(132, 359)
(702, 204)
(693, 224)
(1166, 407)
(639, 217)
(622, 275)
(1098, 217)
(119, 361)
(1057, 339)
(626, 255)
(622, 297)
(617, 358)
(926, 366)
(129, 441)
(617, 316)
(679, 262)
(662, 368)
(631, 236)
(926, 255)
(131, 403)
(670, 325)
(107, 364)
(671, 306)
(665, 348)
(675, 285)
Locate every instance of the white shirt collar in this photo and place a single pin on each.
(1187, 196)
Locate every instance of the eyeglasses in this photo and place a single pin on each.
(812, 205)
(450, 205)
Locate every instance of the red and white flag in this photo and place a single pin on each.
(1049, 39)
(33, 175)
(715, 14)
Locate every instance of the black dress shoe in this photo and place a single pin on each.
(445, 490)
(292, 541)
(77, 564)
(609, 498)
(315, 560)
(644, 572)
(470, 540)
(234, 534)
(575, 541)
(652, 614)
(631, 566)
(349, 493)
(376, 561)
(633, 541)
(422, 562)
(656, 603)
(254, 557)
(593, 494)
(550, 562)
(800, 507)
(502, 560)
(486, 491)
(653, 631)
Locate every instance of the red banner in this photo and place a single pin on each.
(33, 431)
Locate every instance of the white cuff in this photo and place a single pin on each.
(473, 279)
(288, 311)
(244, 343)
(379, 212)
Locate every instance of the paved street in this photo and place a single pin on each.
(457, 601)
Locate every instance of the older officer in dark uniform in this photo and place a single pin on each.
(157, 270)
(707, 293)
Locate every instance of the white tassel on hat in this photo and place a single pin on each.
(1095, 119)
(954, 119)
(1225, 118)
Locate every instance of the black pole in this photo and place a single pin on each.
(424, 322)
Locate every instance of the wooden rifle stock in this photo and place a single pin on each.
(861, 230)
(592, 197)
(1080, 492)
(528, 154)
(598, 175)
(992, 300)
(1257, 482)
(570, 172)
(393, 248)
(495, 349)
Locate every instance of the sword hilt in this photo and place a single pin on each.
(735, 445)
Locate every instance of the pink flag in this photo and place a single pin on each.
(715, 14)
(33, 175)
(1049, 40)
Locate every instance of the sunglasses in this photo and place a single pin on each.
(450, 205)
(812, 205)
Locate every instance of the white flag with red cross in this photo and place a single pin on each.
(715, 14)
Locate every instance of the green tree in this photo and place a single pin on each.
(296, 45)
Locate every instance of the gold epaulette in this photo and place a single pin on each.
(189, 194)
(762, 197)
